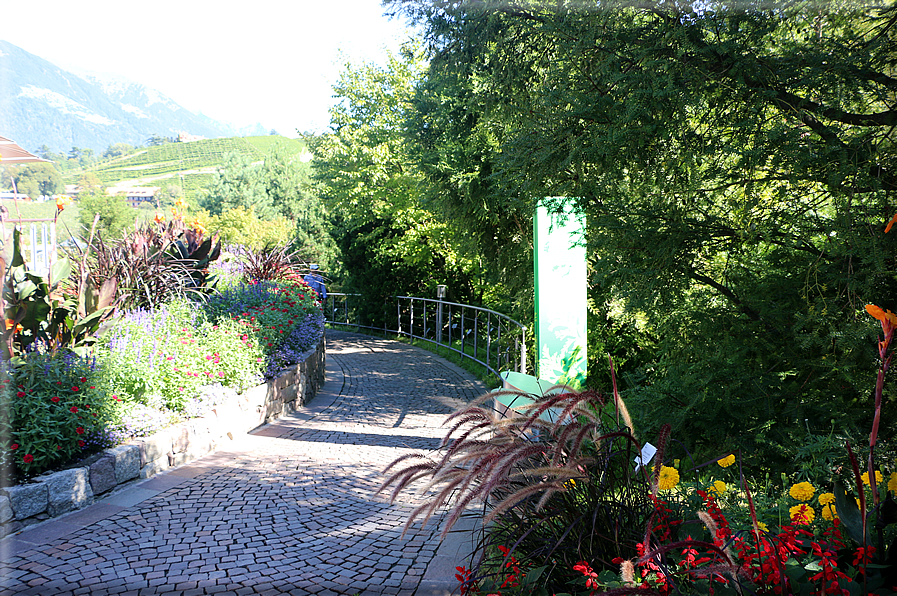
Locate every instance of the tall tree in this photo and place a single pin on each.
(736, 167)
(281, 178)
(37, 179)
(238, 184)
(117, 150)
(390, 243)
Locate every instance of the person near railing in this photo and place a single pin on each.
(316, 282)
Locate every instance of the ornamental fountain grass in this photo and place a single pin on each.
(565, 513)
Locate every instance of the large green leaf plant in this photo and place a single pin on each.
(43, 313)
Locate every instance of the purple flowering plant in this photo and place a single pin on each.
(173, 351)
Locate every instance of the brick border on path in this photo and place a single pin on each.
(289, 509)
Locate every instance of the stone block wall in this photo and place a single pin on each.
(57, 493)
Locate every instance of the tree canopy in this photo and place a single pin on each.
(238, 183)
(390, 242)
(736, 166)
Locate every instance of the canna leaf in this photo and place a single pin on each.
(849, 514)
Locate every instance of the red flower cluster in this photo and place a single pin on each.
(463, 576)
(587, 571)
(511, 580)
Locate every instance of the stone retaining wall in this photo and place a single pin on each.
(54, 494)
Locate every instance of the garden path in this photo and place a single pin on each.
(288, 509)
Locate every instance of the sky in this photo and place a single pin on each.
(263, 61)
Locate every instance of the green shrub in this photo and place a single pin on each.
(241, 226)
(57, 411)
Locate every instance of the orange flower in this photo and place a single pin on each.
(10, 323)
(62, 201)
(891, 223)
(881, 315)
(159, 218)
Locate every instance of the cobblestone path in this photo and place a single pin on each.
(288, 509)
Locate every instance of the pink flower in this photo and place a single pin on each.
(73, 409)
(14, 446)
(28, 458)
(20, 394)
(80, 430)
(55, 399)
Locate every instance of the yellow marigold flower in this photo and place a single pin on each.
(829, 512)
(719, 488)
(726, 461)
(802, 514)
(865, 477)
(669, 478)
(826, 498)
(802, 491)
(892, 483)
(763, 526)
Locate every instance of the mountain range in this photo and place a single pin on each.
(44, 104)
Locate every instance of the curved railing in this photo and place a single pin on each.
(489, 338)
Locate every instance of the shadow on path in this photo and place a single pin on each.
(288, 509)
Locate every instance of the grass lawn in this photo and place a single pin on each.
(68, 219)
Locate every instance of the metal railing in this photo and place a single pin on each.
(38, 242)
(489, 338)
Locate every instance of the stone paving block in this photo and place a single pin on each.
(126, 459)
(102, 475)
(28, 500)
(68, 490)
(289, 511)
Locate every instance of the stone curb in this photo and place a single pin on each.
(58, 493)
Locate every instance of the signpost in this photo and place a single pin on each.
(561, 296)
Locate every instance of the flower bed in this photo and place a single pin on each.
(569, 513)
(56, 493)
(152, 368)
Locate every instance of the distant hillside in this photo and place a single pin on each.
(190, 165)
(43, 104)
